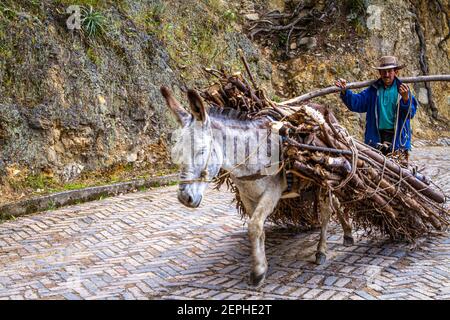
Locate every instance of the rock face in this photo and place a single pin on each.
(390, 29)
(72, 104)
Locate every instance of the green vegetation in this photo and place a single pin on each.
(154, 15)
(39, 181)
(5, 50)
(282, 39)
(30, 9)
(114, 179)
(173, 183)
(156, 184)
(86, 3)
(93, 56)
(356, 12)
(73, 186)
(93, 22)
(43, 183)
(356, 6)
(152, 19)
(51, 205)
(6, 217)
(215, 5)
(7, 12)
(230, 16)
(142, 188)
(276, 98)
(202, 41)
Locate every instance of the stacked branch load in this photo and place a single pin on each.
(379, 193)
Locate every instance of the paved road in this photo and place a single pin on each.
(147, 246)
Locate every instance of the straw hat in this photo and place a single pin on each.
(388, 62)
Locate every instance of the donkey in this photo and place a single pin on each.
(208, 155)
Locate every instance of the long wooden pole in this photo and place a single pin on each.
(361, 84)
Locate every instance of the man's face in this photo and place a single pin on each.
(388, 76)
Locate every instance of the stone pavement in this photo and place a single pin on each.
(147, 246)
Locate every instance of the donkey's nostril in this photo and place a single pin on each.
(189, 200)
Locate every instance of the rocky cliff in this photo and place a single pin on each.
(415, 31)
(81, 106)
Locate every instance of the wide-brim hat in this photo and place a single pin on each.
(388, 62)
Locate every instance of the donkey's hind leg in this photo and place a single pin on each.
(346, 226)
(325, 214)
(343, 217)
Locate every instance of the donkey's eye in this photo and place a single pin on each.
(201, 152)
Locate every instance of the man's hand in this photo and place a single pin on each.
(404, 92)
(341, 83)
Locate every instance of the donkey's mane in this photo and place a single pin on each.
(228, 113)
(235, 117)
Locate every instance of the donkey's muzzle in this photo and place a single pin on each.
(188, 200)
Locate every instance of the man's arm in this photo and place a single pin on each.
(356, 102)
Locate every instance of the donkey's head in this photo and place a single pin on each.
(196, 151)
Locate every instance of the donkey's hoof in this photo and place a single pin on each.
(320, 258)
(257, 280)
(348, 241)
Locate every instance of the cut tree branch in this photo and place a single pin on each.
(361, 84)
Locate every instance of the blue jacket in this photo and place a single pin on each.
(367, 101)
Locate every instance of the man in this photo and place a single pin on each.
(389, 107)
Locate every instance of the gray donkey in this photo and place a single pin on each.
(206, 152)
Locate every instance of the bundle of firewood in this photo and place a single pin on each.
(379, 193)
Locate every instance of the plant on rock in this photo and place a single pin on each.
(93, 22)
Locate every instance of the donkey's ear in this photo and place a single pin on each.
(197, 105)
(181, 115)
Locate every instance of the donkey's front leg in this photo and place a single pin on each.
(325, 214)
(257, 236)
(259, 267)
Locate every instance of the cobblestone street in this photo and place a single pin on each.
(146, 245)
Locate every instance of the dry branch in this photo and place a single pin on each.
(362, 84)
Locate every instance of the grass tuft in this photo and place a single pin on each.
(93, 22)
